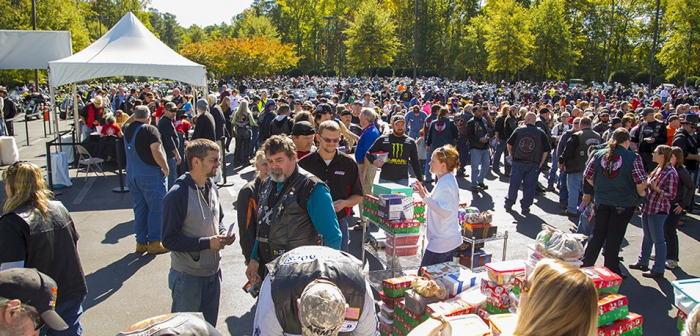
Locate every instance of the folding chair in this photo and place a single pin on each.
(85, 159)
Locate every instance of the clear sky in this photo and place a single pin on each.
(201, 12)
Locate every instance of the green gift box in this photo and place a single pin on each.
(495, 310)
(391, 188)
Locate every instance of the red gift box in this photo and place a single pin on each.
(496, 294)
(610, 302)
(621, 326)
(389, 301)
(393, 224)
(681, 315)
(398, 282)
(371, 198)
(484, 315)
(451, 307)
(402, 305)
(605, 280)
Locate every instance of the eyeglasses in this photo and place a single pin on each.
(336, 140)
(36, 319)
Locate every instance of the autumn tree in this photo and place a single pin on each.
(553, 54)
(371, 41)
(680, 51)
(509, 41)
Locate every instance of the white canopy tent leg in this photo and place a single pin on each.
(76, 119)
(55, 112)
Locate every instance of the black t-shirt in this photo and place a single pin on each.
(401, 151)
(341, 175)
(169, 136)
(147, 135)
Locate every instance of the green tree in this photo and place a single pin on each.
(370, 40)
(680, 52)
(194, 34)
(509, 41)
(255, 25)
(554, 54)
(475, 56)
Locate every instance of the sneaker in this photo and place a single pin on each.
(671, 264)
(483, 186)
(141, 249)
(525, 211)
(156, 248)
(550, 188)
(569, 213)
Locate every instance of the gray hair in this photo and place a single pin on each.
(211, 99)
(369, 114)
(141, 112)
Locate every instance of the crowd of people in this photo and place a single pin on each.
(316, 146)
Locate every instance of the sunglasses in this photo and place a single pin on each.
(336, 140)
(36, 319)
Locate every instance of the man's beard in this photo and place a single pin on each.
(277, 175)
(399, 133)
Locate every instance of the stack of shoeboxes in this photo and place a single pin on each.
(498, 285)
(614, 317)
(392, 296)
(478, 225)
(686, 296)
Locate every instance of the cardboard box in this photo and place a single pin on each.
(405, 226)
(407, 314)
(629, 326)
(503, 324)
(611, 307)
(479, 231)
(391, 188)
(496, 295)
(495, 310)
(438, 271)
(457, 283)
(483, 314)
(396, 287)
(451, 307)
(390, 301)
(605, 280)
(395, 207)
(504, 272)
(473, 297)
(417, 303)
(518, 284)
(481, 258)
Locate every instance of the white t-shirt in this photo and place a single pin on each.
(266, 323)
(442, 224)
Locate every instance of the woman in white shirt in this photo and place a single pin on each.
(442, 205)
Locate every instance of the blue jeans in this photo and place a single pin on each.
(148, 191)
(653, 226)
(500, 149)
(524, 173)
(553, 172)
(346, 235)
(574, 183)
(70, 311)
(563, 190)
(432, 258)
(401, 181)
(196, 294)
(463, 150)
(254, 142)
(172, 172)
(428, 156)
(479, 157)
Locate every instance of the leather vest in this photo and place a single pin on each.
(614, 185)
(296, 269)
(586, 139)
(283, 222)
(528, 144)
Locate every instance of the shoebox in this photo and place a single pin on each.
(403, 239)
(407, 323)
(503, 324)
(395, 207)
(402, 311)
(386, 326)
(611, 307)
(416, 302)
(631, 325)
(391, 188)
(469, 325)
(396, 287)
(479, 231)
(605, 280)
(459, 282)
(483, 314)
(450, 307)
(370, 214)
(387, 312)
(370, 201)
(401, 251)
(681, 317)
(398, 329)
(496, 295)
(481, 258)
(493, 310)
(518, 283)
(504, 272)
(389, 301)
(686, 294)
(402, 226)
(437, 271)
(473, 297)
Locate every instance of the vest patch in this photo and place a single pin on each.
(613, 170)
(440, 127)
(338, 172)
(299, 259)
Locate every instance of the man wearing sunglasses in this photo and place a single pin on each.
(27, 301)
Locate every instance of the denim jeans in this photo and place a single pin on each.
(609, 230)
(172, 172)
(563, 190)
(401, 181)
(500, 149)
(196, 294)
(148, 191)
(463, 150)
(480, 157)
(553, 177)
(432, 258)
(254, 142)
(428, 156)
(524, 173)
(653, 226)
(346, 235)
(574, 183)
(70, 311)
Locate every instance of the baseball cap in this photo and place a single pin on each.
(307, 104)
(647, 110)
(170, 106)
(303, 128)
(33, 288)
(398, 118)
(202, 105)
(323, 109)
(270, 102)
(346, 112)
(321, 309)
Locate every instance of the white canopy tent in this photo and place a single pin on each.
(128, 49)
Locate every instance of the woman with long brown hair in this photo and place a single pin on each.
(36, 232)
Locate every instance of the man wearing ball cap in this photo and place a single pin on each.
(28, 299)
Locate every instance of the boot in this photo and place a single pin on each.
(141, 249)
(156, 247)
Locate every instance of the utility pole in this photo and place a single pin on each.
(415, 42)
(653, 46)
(36, 71)
(328, 44)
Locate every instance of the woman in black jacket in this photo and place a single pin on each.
(684, 193)
(247, 206)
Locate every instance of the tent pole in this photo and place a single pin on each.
(52, 92)
(76, 119)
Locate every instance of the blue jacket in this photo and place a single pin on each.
(367, 139)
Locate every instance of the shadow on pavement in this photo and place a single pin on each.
(655, 303)
(106, 281)
(242, 325)
(118, 232)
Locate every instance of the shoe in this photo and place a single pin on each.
(509, 208)
(525, 211)
(623, 276)
(652, 274)
(563, 206)
(483, 186)
(357, 227)
(156, 247)
(568, 213)
(550, 188)
(141, 248)
(642, 268)
(474, 189)
(671, 264)
(541, 190)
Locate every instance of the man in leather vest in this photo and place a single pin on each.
(295, 208)
(314, 291)
(648, 136)
(528, 146)
(573, 161)
(685, 139)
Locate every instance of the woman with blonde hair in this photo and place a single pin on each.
(546, 307)
(243, 124)
(36, 232)
(247, 205)
(443, 231)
